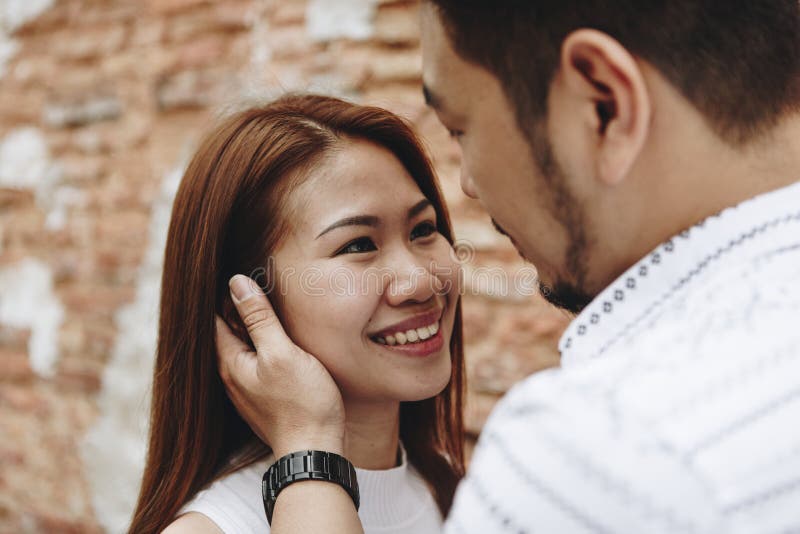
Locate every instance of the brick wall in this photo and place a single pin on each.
(100, 104)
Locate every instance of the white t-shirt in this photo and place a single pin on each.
(677, 407)
(393, 501)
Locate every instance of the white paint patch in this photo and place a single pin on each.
(13, 14)
(24, 159)
(27, 301)
(25, 164)
(114, 448)
(8, 49)
(336, 19)
(254, 78)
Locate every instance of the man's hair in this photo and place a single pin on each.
(736, 61)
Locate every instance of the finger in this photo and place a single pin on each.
(227, 342)
(228, 346)
(262, 324)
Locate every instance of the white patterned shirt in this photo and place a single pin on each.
(677, 406)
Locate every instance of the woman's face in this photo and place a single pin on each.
(363, 279)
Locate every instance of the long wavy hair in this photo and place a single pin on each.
(227, 218)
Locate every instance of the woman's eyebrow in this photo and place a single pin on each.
(358, 220)
(373, 221)
(418, 208)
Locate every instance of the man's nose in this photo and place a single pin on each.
(467, 185)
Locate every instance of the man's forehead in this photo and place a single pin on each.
(439, 61)
(436, 50)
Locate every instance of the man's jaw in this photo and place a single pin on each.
(565, 296)
(503, 231)
(561, 294)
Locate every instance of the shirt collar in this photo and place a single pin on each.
(390, 497)
(733, 235)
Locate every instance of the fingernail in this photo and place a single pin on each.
(242, 288)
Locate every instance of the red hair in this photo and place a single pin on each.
(227, 218)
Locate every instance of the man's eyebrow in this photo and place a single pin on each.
(431, 98)
(358, 220)
(371, 220)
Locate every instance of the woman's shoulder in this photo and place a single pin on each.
(192, 523)
(233, 502)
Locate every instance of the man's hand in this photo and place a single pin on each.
(284, 393)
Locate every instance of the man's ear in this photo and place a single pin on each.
(598, 68)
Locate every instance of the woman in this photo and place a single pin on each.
(333, 208)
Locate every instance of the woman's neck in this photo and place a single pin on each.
(372, 433)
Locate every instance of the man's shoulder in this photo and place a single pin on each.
(554, 458)
(670, 428)
(728, 343)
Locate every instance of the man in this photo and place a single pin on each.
(645, 156)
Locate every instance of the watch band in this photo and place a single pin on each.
(307, 465)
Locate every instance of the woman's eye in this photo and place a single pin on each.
(423, 230)
(358, 246)
(455, 134)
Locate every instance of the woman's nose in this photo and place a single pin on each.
(412, 280)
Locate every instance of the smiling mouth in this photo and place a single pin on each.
(410, 336)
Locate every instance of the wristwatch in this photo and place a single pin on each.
(307, 465)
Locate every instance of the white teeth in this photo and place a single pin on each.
(410, 336)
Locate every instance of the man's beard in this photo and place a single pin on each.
(565, 296)
(567, 293)
(562, 294)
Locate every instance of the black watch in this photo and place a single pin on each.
(307, 465)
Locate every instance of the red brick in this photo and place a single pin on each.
(148, 32)
(82, 169)
(24, 399)
(22, 107)
(82, 375)
(397, 25)
(90, 43)
(57, 16)
(404, 66)
(201, 52)
(288, 13)
(229, 17)
(16, 367)
(164, 7)
(477, 318)
(33, 69)
(109, 13)
(289, 42)
(191, 89)
(51, 522)
(93, 299)
(478, 407)
(11, 198)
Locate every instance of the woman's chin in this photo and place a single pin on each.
(421, 390)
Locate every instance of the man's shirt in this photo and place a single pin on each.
(677, 406)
